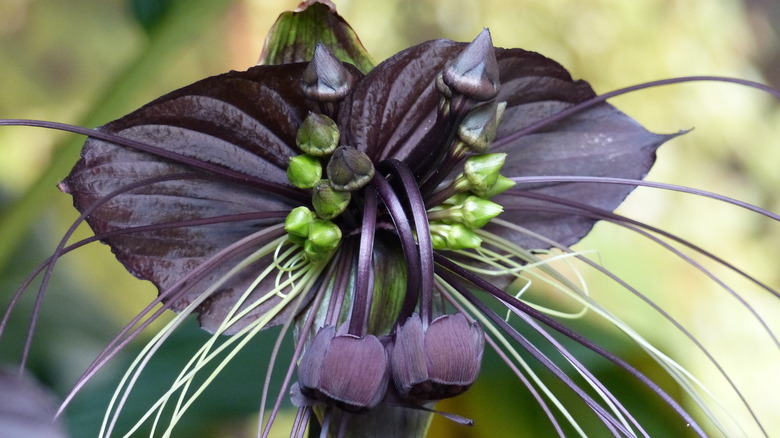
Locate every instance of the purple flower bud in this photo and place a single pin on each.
(348, 371)
(440, 362)
(474, 73)
(325, 78)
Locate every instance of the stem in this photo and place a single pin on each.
(424, 244)
(361, 306)
(406, 236)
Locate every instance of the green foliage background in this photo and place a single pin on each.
(89, 61)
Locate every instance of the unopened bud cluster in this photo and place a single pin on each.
(470, 84)
(424, 358)
(318, 237)
(453, 222)
(346, 169)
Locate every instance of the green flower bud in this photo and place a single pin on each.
(477, 212)
(349, 169)
(502, 183)
(304, 171)
(438, 241)
(453, 236)
(478, 128)
(457, 199)
(329, 203)
(324, 235)
(298, 221)
(318, 135)
(324, 238)
(298, 240)
(481, 171)
(472, 211)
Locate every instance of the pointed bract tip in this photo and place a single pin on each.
(64, 187)
(474, 72)
(325, 78)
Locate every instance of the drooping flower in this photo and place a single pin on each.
(369, 208)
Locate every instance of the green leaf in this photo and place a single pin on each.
(296, 33)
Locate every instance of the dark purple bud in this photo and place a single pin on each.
(347, 371)
(325, 78)
(473, 73)
(349, 169)
(442, 361)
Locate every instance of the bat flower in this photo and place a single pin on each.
(385, 214)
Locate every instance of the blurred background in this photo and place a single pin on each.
(90, 61)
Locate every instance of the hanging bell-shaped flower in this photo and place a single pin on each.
(348, 371)
(438, 362)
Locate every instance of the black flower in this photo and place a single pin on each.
(382, 213)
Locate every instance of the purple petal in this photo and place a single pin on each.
(599, 141)
(310, 367)
(355, 372)
(454, 348)
(245, 122)
(408, 358)
(395, 105)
